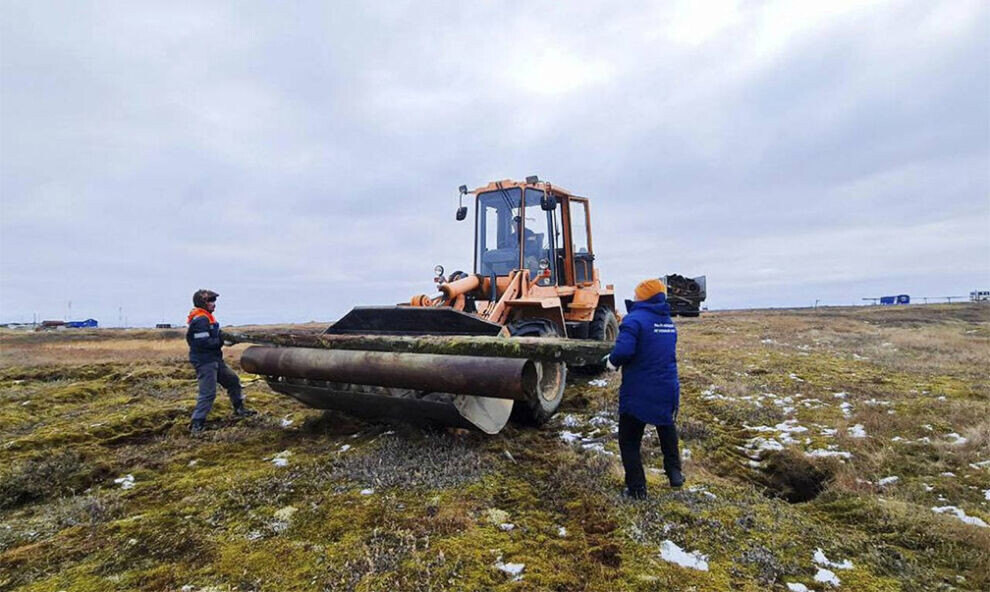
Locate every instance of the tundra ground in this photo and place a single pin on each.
(838, 448)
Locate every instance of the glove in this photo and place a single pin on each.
(609, 365)
(226, 339)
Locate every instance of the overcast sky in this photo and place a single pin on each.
(303, 158)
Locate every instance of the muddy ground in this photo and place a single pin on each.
(831, 449)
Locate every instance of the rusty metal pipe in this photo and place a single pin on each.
(462, 286)
(503, 378)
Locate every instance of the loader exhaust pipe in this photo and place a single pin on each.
(503, 378)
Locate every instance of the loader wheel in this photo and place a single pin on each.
(603, 327)
(553, 376)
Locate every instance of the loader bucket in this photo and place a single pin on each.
(457, 391)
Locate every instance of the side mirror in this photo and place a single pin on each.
(548, 203)
(461, 213)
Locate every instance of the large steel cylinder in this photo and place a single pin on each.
(504, 378)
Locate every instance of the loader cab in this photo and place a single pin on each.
(536, 227)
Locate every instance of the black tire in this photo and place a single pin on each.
(553, 377)
(603, 327)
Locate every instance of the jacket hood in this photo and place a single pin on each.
(657, 305)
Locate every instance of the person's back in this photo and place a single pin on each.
(650, 388)
(646, 349)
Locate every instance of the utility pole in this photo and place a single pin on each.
(817, 300)
(70, 311)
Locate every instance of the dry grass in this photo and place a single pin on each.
(79, 410)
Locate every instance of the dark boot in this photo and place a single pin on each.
(197, 426)
(671, 455)
(242, 411)
(634, 494)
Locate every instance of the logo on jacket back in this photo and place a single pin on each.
(664, 328)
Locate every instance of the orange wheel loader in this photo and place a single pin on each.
(534, 276)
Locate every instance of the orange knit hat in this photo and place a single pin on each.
(649, 288)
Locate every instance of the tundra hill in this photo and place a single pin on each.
(844, 448)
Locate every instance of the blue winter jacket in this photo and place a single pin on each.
(646, 351)
(204, 338)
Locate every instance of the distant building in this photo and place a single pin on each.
(82, 324)
(979, 295)
(899, 299)
(163, 326)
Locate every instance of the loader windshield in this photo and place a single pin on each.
(498, 232)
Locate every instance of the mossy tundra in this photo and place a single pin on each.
(851, 444)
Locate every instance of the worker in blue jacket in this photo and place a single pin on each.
(205, 353)
(651, 392)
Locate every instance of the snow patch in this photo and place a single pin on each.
(956, 439)
(827, 576)
(599, 382)
(820, 558)
(669, 551)
(958, 513)
(570, 421)
(513, 569)
(888, 481)
(286, 422)
(281, 459)
(856, 431)
(368, 491)
(125, 482)
(569, 437)
(822, 453)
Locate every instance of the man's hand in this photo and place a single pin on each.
(609, 365)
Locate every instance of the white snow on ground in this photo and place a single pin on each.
(986, 494)
(701, 489)
(507, 526)
(669, 551)
(956, 439)
(888, 481)
(877, 403)
(793, 376)
(345, 447)
(960, 515)
(842, 395)
(368, 491)
(820, 558)
(829, 432)
(562, 532)
(846, 408)
(827, 576)
(286, 422)
(569, 437)
(513, 569)
(759, 428)
(125, 482)
(898, 439)
(570, 421)
(928, 487)
(983, 464)
(790, 426)
(797, 587)
(856, 431)
(599, 382)
(281, 459)
(822, 453)
(947, 474)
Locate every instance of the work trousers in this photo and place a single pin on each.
(630, 440)
(208, 375)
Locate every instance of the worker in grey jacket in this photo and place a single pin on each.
(205, 353)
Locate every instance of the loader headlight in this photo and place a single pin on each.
(438, 271)
(544, 264)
